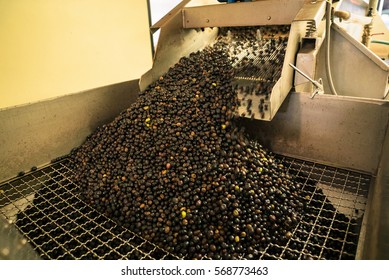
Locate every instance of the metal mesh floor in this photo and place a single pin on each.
(45, 207)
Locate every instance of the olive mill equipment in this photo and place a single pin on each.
(192, 28)
(326, 116)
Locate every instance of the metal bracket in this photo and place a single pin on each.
(319, 89)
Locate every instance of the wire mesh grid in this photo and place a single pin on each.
(45, 207)
(262, 68)
(330, 227)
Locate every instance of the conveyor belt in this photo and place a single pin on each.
(45, 207)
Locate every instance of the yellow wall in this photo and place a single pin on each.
(50, 48)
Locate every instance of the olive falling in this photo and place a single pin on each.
(176, 169)
(258, 56)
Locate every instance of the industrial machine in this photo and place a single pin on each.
(309, 89)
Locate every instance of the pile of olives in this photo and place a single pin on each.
(176, 168)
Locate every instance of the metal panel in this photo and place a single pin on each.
(34, 134)
(375, 227)
(174, 43)
(312, 11)
(331, 130)
(267, 12)
(284, 85)
(356, 71)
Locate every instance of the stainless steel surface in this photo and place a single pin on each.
(329, 129)
(375, 227)
(46, 208)
(267, 12)
(306, 62)
(312, 11)
(317, 84)
(174, 42)
(33, 134)
(357, 72)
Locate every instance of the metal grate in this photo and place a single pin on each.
(262, 68)
(45, 207)
(330, 228)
